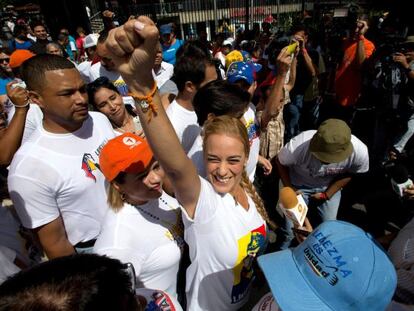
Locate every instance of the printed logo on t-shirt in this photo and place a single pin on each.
(89, 165)
(252, 130)
(250, 246)
(160, 302)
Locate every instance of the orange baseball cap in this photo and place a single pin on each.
(18, 57)
(127, 153)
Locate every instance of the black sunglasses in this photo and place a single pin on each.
(2, 60)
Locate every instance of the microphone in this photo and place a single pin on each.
(293, 206)
(399, 179)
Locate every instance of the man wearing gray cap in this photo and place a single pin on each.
(318, 164)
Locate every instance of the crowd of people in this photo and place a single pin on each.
(142, 172)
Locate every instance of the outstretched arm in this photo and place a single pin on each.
(274, 102)
(132, 48)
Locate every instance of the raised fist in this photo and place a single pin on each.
(132, 47)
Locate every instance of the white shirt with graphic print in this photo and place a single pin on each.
(307, 171)
(224, 239)
(54, 175)
(157, 300)
(148, 237)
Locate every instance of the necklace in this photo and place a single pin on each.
(175, 231)
(126, 128)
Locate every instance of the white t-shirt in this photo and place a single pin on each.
(267, 303)
(84, 69)
(196, 151)
(142, 236)
(307, 171)
(164, 74)
(224, 239)
(34, 119)
(97, 70)
(54, 175)
(185, 124)
(157, 300)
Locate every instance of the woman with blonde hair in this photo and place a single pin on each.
(143, 225)
(224, 218)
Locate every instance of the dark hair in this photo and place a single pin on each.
(192, 59)
(103, 35)
(95, 86)
(37, 23)
(62, 36)
(19, 29)
(220, 97)
(299, 27)
(77, 282)
(33, 70)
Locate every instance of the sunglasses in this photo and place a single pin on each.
(2, 60)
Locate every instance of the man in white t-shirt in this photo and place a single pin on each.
(54, 179)
(162, 71)
(106, 68)
(319, 164)
(338, 267)
(193, 69)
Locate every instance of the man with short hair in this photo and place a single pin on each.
(194, 68)
(162, 71)
(106, 68)
(54, 180)
(39, 47)
(318, 164)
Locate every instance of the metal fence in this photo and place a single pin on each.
(212, 16)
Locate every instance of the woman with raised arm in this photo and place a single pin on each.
(224, 217)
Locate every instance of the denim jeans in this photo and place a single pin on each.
(292, 116)
(318, 212)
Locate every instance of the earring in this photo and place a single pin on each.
(123, 197)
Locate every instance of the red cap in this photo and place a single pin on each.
(18, 57)
(126, 153)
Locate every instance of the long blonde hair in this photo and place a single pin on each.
(235, 128)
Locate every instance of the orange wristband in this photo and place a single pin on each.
(146, 101)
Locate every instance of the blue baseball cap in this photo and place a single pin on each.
(243, 71)
(165, 29)
(338, 267)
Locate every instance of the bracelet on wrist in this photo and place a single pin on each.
(145, 102)
(23, 106)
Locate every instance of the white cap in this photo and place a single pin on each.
(91, 40)
(228, 41)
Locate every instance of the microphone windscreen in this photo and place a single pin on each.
(288, 198)
(399, 174)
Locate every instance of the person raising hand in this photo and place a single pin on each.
(224, 217)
